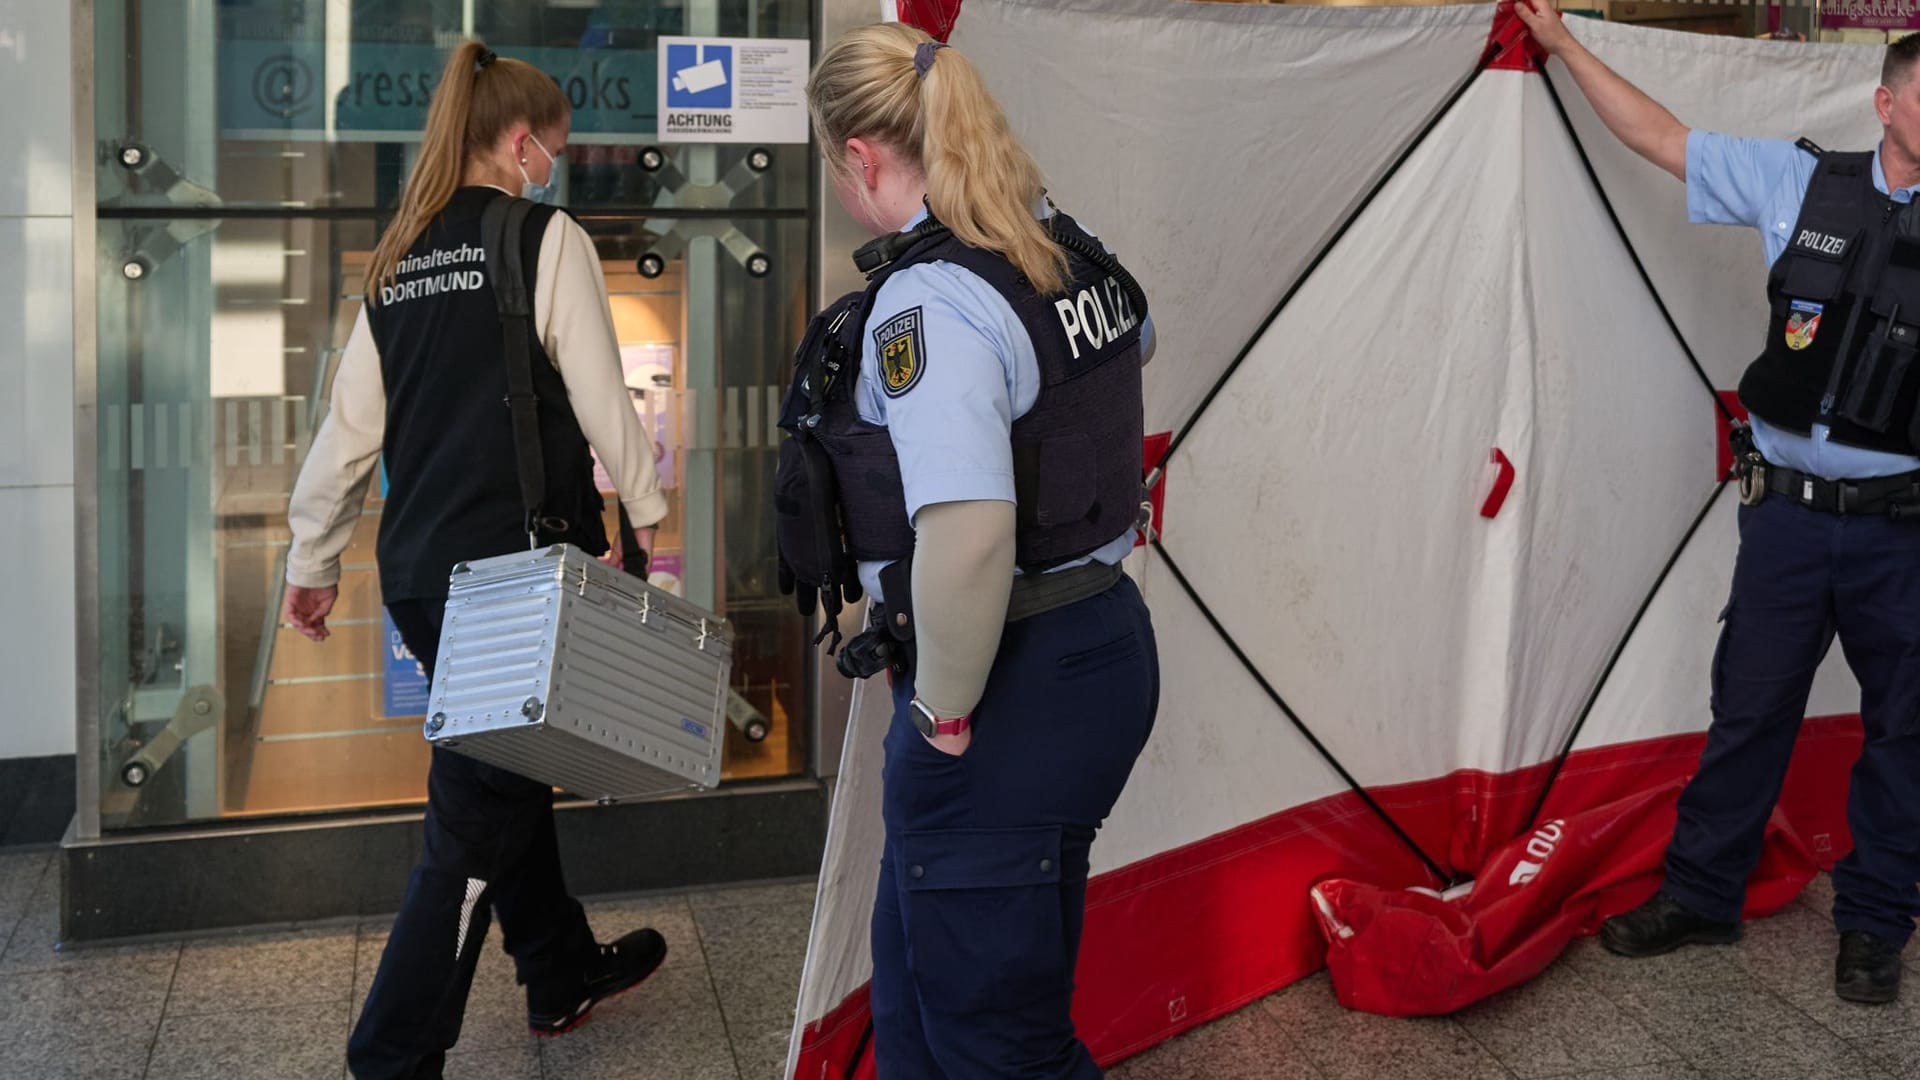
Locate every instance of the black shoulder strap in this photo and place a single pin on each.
(1856, 165)
(1810, 147)
(502, 225)
(1840, 180)
(840, 325)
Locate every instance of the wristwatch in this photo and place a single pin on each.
(931, 725)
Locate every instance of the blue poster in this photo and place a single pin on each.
(407, 687)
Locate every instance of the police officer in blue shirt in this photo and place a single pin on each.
(967, 451)
(1830, 521)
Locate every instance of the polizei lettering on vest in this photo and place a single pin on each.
(1824, 243)
(1098, 315)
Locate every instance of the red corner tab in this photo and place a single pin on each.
(1510, 47)
(1502, 483)
(936, 17)
(1723, 427)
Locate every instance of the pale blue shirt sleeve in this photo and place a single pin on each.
(952, 420)
(1758, 183)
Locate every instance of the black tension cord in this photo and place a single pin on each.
(1492, 52)
(860, 1049)
(1626, 242)
(1619, 648)
(1287, 711)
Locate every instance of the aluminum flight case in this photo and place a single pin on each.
(572, 672)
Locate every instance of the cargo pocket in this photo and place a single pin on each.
(1881, 372)
(983, 917)
(1814, 274)
(1716, 674)
(872, 494)
(1056, 480)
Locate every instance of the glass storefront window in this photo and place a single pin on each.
(250, 152)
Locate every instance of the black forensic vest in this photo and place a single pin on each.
(1076, 452)
(453, 489)
(1845, 315)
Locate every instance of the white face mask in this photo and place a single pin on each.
(540, 193)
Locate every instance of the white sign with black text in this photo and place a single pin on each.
(734, 90)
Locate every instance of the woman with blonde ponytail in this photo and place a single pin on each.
(421, 388)
(985, 475)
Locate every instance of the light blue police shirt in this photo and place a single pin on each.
(952, 425)
(1761, 183)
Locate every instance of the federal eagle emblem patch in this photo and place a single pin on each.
(903, 353)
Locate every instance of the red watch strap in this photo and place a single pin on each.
(955, 726)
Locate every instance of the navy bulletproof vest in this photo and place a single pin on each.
(1076, 453)
(1845, 315)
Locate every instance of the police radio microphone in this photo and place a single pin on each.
(874, 254)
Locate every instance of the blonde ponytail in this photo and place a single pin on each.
(981, 182)
(478, 98)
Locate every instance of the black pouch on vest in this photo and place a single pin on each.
(1885, 363)
(896, 581)
(887, 644)
(1884, 367)
(813, 551)
(1817, 275)
(815, 567)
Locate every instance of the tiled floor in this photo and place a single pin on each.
(277, 1006)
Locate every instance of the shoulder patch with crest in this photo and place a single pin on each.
(902, 351)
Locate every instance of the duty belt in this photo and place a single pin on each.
(1894, 496)
(1037, 594)
(1897, 497)
(878, 648)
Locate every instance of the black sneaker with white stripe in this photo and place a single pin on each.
(617, 968)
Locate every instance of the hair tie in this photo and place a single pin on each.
(923, 56)
(486, 58)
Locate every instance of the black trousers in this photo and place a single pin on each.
(490, 848)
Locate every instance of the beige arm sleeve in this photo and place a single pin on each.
(962, 576)
(332, 488)
(570, 312)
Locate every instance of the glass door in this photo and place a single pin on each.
(250, 153)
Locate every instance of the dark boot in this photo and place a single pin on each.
(1660, 926)
(1867, 970)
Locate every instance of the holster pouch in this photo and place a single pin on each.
(1749, 467)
